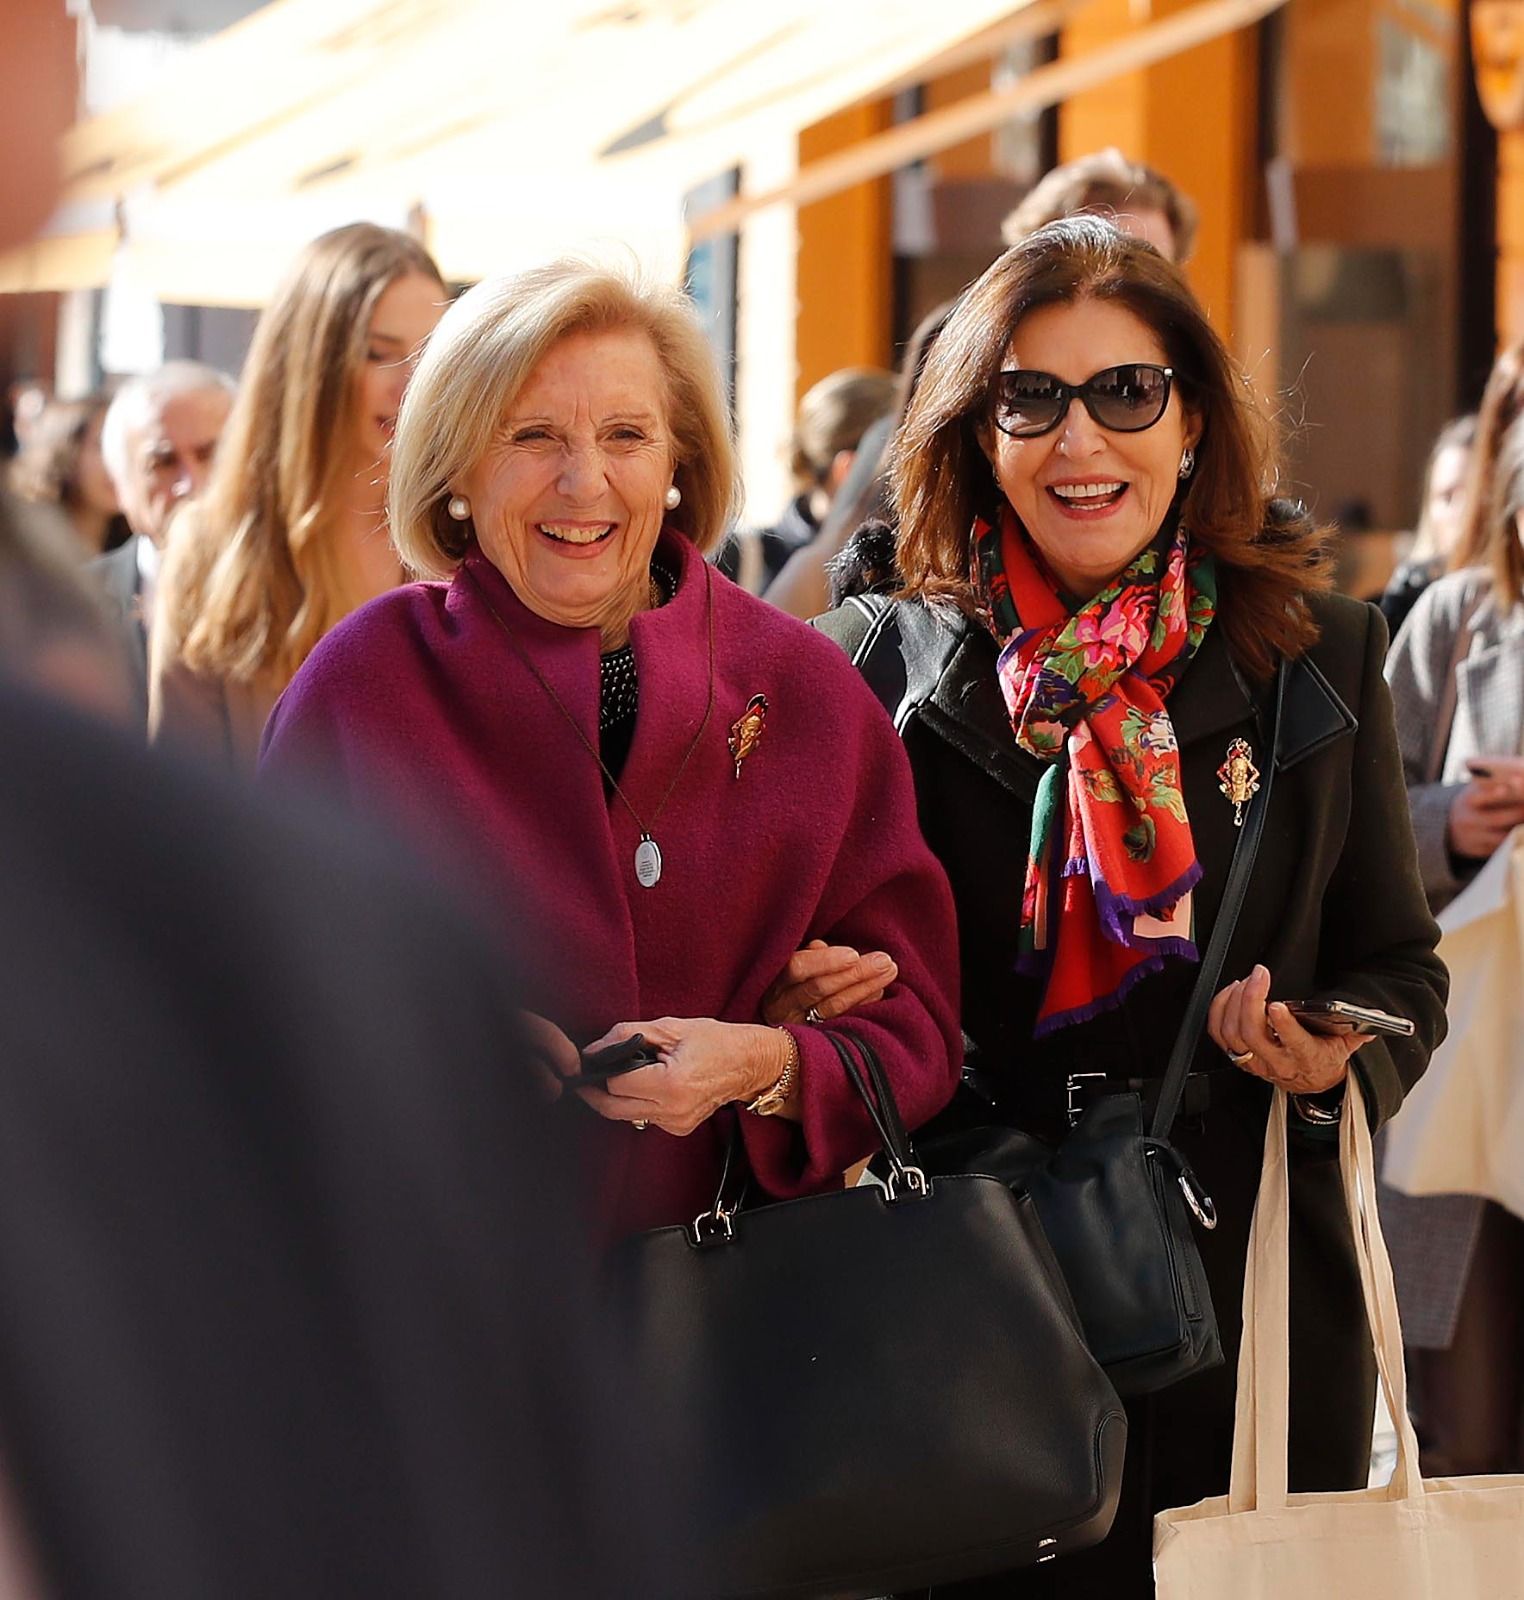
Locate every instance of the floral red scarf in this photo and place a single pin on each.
(1085, 693)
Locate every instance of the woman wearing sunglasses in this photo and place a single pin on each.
(1081, 489)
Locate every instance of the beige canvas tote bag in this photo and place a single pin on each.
(1447, 1539)
(1461, 1130)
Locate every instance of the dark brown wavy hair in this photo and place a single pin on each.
(1269, 554)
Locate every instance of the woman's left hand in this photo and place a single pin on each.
(704, 1065)
(828, 980)
(1282, 1050)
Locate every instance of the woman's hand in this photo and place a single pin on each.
(1282, 1050)
(1488, 809)
(704, 1065)
(552, 1056)
(828, 979)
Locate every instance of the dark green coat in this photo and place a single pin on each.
(1335, 910)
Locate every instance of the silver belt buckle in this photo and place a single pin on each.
(1074, 1088)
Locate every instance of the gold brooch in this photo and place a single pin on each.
(1238, 778)
(746, 730)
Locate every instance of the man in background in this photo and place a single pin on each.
(157, 441)
(1138, 199)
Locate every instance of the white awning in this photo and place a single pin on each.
(519, 129)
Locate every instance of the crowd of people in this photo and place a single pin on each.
(470, 573)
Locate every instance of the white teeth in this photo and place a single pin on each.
(576, 535)
(1085, 491)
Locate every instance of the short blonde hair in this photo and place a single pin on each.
(483, 352)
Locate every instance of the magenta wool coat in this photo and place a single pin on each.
(421, 710)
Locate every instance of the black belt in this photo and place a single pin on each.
(1079, 1089)
(1083, 1087)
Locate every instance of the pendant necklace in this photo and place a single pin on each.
(648, 863)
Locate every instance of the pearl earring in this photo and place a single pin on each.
(459, 507)
(1187, 462)
(673, 498)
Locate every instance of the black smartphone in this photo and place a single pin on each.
(1339, 1016)
(598, 1066)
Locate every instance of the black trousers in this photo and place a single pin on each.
(1468, 1402)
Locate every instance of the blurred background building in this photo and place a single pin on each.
(823, 171)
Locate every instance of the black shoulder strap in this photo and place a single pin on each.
(1233, 895)
(903, 654)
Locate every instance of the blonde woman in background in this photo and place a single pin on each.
(291, 534)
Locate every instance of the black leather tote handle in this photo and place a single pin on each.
(881, 1104)
(1233, 895)
(877, 1096)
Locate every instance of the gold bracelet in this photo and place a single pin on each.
(772, 1100)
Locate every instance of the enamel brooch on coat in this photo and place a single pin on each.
(1238, 778)
(746, 731)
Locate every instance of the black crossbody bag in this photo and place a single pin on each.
(869, 1390)
(1117, 1200)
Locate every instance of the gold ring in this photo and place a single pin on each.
(640, 1124)
(1239, 1058)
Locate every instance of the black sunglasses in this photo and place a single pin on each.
(1125, 399)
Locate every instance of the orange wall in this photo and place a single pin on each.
(974, 157)
(1510, 203)
(845, 248)
(1329, 117)
(1192, 117)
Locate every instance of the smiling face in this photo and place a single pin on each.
(568, 499)
(403, 318)
(1090, 498)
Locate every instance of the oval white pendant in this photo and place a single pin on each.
(647, 862)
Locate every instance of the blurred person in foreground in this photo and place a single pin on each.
(1441, 518)
(290, 535)
(287, 1301)
(287, 1305)
(846, 558)
(1457, 677)
(625, 745)
(1083, 525)
(833, 417)
(62, 467)
(158, 439)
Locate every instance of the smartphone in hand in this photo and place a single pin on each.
(1339, 1016)
(598, 1066)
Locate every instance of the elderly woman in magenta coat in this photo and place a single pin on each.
(690, 806)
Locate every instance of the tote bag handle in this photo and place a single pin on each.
(1258, 1479)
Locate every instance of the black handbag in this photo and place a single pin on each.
(1117, 1201)
(868, 1390)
